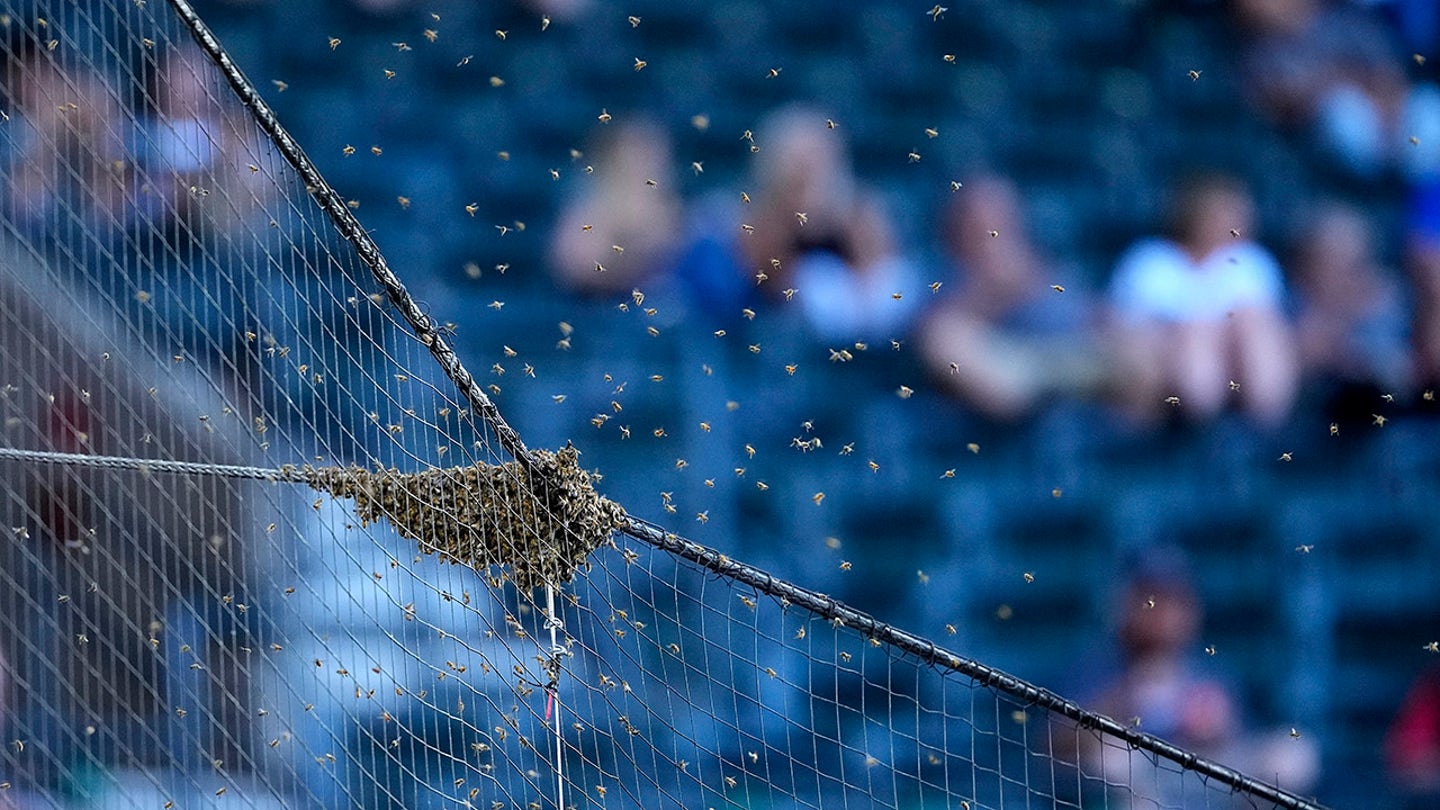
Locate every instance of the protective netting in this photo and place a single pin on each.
(173, 289)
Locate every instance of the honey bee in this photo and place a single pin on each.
(931, 132)
(845, 565)
(604, 116)
(640, 64)
(334, 43)
(1029, 577)
(1194, 75)
(913, 156)
(773, 73)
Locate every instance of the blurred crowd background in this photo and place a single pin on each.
(1036, 314)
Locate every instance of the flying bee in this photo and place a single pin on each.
(640, 64)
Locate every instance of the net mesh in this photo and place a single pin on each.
(173, 289)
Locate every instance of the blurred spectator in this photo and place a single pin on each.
(66, 157)
(819, 232)
(1423, 258)
(1161, 686)
(1006, 340)
(626, 221)
(1337, 70)
(194, 150)
(1198, 314)
(1351, 319)
(1412, 748)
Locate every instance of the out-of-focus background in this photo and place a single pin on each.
(1008, 322)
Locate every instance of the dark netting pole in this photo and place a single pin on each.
(932, 654)
(823, 606)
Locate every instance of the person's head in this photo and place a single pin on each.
(1275, 17)
(1160, 613)
(1210, 209)
(1334, 256)
(803, 164)
(986, 205)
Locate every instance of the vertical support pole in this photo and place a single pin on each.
(552, 620)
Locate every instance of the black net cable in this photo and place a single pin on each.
(822, 606)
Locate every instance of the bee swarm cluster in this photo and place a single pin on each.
(487, 515)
